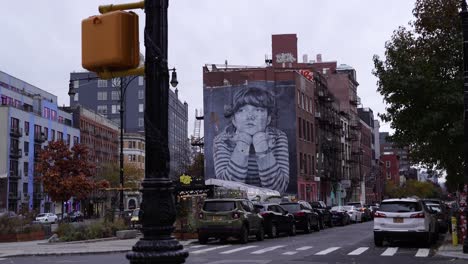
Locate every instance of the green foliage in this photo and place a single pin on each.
(17, 225)
(197, 168)
(412, 188)
(421, 82)
(132, 175)
(100, 229)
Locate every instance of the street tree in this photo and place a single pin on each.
(133, 175)
(197, 167)
(421, 82)
(412, 187)
(65, 172)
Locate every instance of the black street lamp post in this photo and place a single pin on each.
(157, 208)
(464, 19)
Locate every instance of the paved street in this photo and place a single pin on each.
(349, 244)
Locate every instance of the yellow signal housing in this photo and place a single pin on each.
(109, 42)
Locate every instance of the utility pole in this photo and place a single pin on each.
(464, 19)
(158, 207)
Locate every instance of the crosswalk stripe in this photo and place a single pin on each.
(326, 251)
(261, 251)
(208, 249)
(237, 249)
(358, 251)
(289, 253)
(198, 246)
(390, 251)
(422, 252)
(304, 248)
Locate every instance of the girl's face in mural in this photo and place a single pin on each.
(251, 119)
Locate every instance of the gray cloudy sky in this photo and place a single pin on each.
(41, 40)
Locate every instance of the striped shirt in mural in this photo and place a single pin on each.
(269, 170)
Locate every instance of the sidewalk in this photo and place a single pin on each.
(448, 250)
(43, 248)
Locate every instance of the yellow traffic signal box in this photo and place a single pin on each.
(109, 42)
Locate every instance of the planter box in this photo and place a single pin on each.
(185, 236)
(37, 235)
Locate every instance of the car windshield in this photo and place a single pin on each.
(314, 204)
(40, 215)
(400, 207)
(347, 208)
(219, 206)
(292, 207)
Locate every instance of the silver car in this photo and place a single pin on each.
(404, 219)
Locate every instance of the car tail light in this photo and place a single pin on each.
(200, 215)
(235, 215)
(299, 214)
(418, 215)
(378, 214)
(264, 214)
(362, 209)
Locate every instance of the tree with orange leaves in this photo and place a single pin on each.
(66, 173)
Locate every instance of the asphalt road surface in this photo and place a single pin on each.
(349, 244)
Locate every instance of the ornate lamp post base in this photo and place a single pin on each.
(157, 251)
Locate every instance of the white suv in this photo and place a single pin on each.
(404, 219)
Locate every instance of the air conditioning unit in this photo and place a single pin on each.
(317, 114)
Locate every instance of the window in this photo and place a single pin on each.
(304, 128)
(102, 83)
(300, 127)
(302, 100)
(68, 139)
(308, 131)
(115, 109)
(59, 135)
(116, 82)
(102, 109)
(75, 140)
(311, 132)
(25, 187)
(140, 122)
(140, 80)
(387, 164)
(14, 124)
(52, 137)
(26, 128)
(53, 115)
(26, 148)
(76, 97)
(26, 169)
(305, 163)
(306, 103)
(115, 95)
(301, 166)
(389, 175)
(141, 94)
(140, 108)
(76, 84)
(101, 96)
(46, 133)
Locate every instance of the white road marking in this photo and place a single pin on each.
(358, 251)
(289, 253)
(208, 249)
(237, 249)
(390, 251)
(198, 246)
(422, 252)
(261, 251)
(304, 248)
(326, 251)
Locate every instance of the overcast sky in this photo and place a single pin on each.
(41, 40)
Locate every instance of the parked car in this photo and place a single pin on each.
(46, 218)
(324, 213)
(222, 218)
(354, 213)
(305, 217)
(439, 210)
(339, 216)
(76, 216)
(9, 214)
(276, 220)
(404, 219)
(373, 209)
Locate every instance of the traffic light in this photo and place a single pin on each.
(109, 42)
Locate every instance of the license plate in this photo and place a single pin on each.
(217, 218)
(397, 220)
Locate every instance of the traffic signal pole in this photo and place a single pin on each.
(158, 205)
